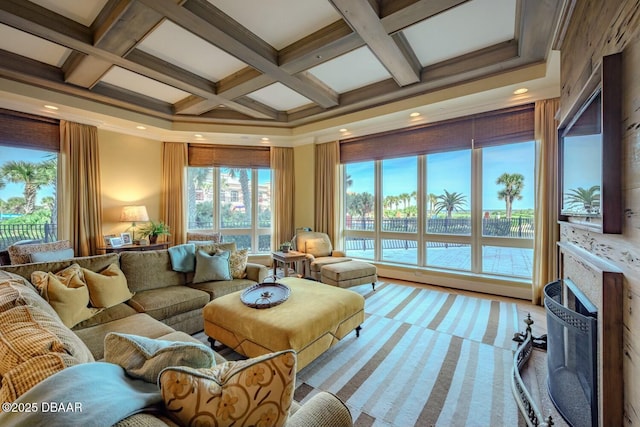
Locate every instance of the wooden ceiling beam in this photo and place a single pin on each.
(209, 23)
(364, 20)
(50, 26)
(397, 15)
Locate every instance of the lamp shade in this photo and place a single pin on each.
(137, 213)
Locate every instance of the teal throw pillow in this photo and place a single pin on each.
(212, 267)
(183, 257)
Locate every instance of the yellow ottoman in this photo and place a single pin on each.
(314, 318)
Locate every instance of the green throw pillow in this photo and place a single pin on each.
(212, 267)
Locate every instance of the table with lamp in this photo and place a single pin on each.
(134, 214)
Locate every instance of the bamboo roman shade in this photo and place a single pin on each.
(29, 131)
(509, 125)
(235, 156)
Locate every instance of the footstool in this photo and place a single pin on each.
(314, 318)
(349, 273)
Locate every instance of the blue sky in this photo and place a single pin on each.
(8, 154)
(582, 162)
(452, 171)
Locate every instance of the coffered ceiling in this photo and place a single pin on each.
(276, 63)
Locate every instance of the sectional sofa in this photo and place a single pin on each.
(163, 304)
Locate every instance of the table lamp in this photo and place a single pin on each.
(133, 214)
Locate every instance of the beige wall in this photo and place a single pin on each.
(130, 169)
(304, 165)
(613, 26)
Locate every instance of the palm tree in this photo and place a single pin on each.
(513, 185)
(50, 172)
(196, 177)
(584, 198)
(404, 198)
(243, 177)
(32, 175)
(414, 196)
(450, 202)
(433, 199)
(348, 181)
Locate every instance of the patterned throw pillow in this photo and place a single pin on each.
(238, 263)
(253, 392)
(107, 288)
(66, 292)
(33, 346)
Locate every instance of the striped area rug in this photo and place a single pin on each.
(423, 358)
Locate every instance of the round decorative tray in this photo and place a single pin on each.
(265, 295)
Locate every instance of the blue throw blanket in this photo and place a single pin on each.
(91, 394)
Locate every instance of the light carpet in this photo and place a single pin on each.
(423, 358)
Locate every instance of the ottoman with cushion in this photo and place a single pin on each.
(349, 273)
(310, 321)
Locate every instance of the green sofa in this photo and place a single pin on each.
(166, 306)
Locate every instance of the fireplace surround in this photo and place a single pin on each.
(572, 337)
(601, 283)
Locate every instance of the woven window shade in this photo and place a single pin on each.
(228, 156)
(486, 129)
(29, 131)
(505, 126)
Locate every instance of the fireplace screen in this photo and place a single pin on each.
(572, 353)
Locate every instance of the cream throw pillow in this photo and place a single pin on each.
(252, 392)
(66, 292)
(318, 247)
(107, 288)
(144, 358)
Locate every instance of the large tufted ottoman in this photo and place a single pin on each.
(314, 318)
(349, 273)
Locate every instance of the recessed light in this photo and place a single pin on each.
(414, 114)
(520, 91)
(343, 130)
(141, 127)
(51, 107)
(197, 135)
(264, 139)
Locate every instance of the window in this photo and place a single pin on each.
(28, 200)
(461, 211)
(242, 213)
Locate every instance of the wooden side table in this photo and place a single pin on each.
(125, 248)
(286, 258)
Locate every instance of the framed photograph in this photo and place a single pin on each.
(107, 239)
(126, 238)
(115, 242)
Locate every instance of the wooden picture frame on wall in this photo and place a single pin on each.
(597, 112)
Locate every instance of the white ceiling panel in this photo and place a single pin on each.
(280, 97)
(178, 46)
(32, 47)
(143, 85)
(463, 29)
(82, 11)
(267, 20)
(355, 69)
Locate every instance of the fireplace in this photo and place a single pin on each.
(572, 336)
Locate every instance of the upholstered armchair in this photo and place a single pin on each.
(319, 250)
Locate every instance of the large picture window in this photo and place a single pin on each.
(241, 212)
(28, 198)
(447, 208)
